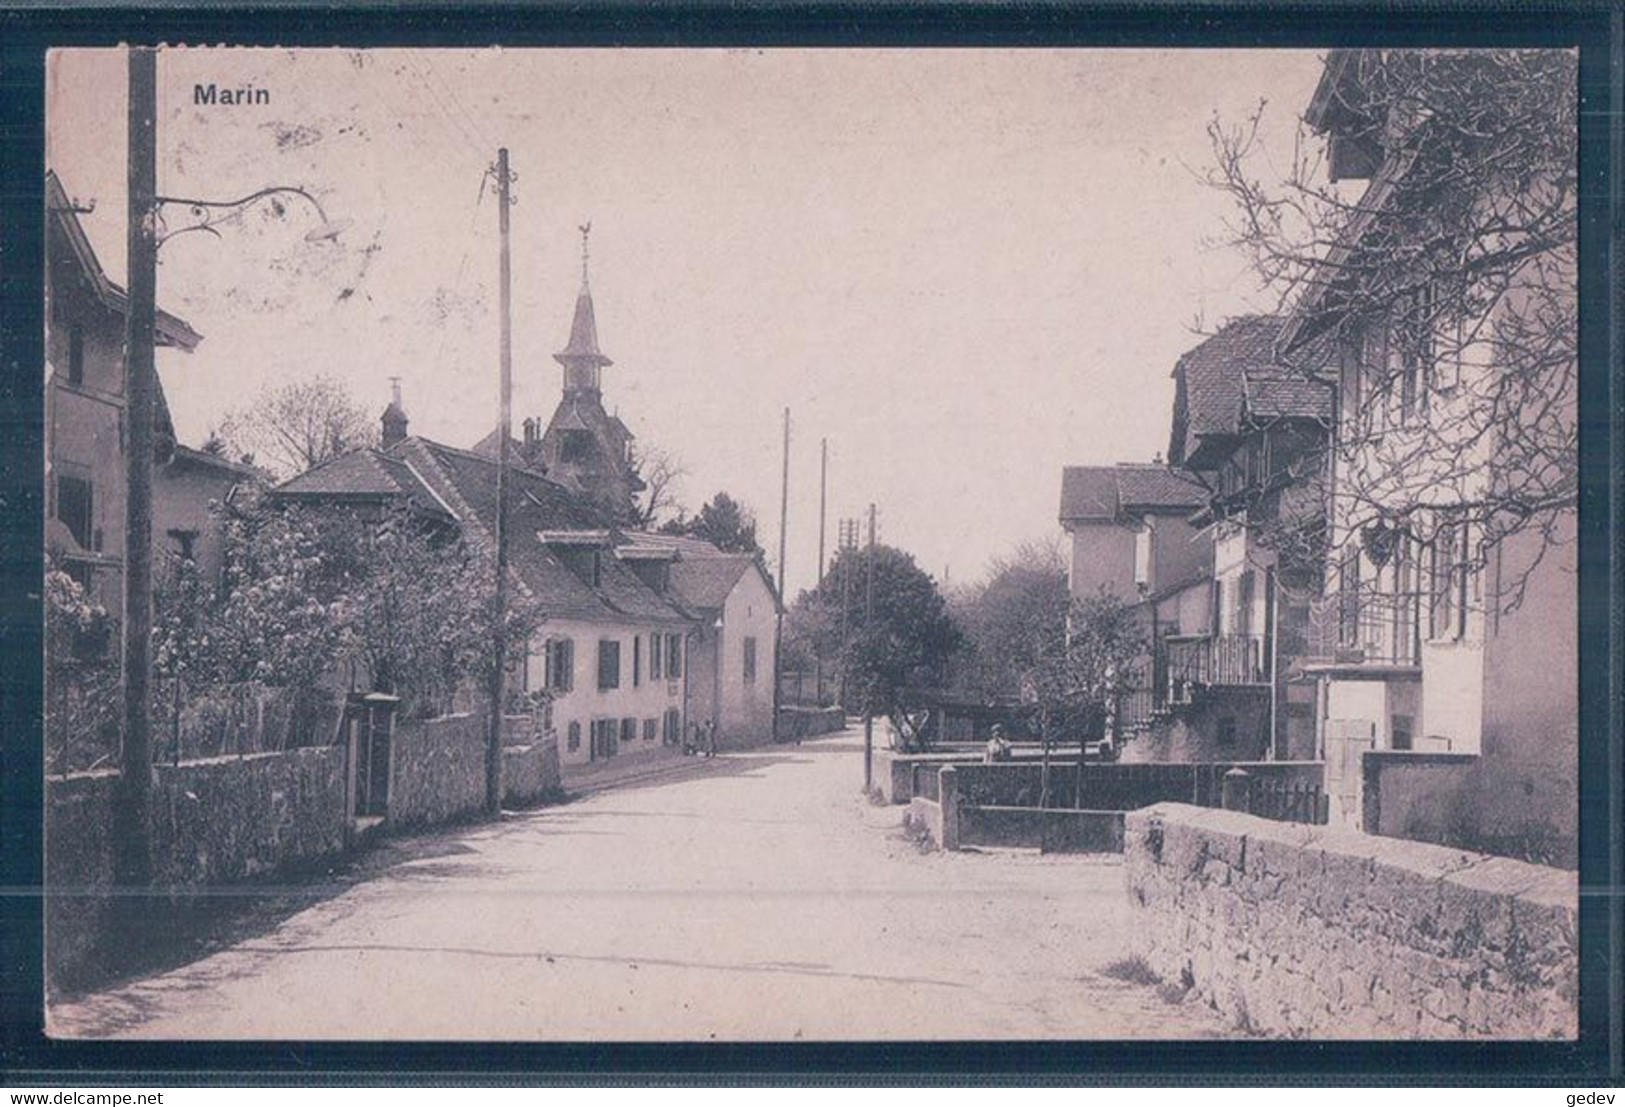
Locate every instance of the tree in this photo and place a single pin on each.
(906, 640)
(724, 522)
(1075, 678)
(660, 471)
(1448, 288)
(305, 589)
(1013, 617)
(292, 427)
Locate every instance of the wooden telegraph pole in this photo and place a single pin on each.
(818, 580)
(141, 239)
(493, 749)
(868, 684)
(778, 619)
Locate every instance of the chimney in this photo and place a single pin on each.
(394, 419)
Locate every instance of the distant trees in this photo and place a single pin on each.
(907, 638)
(1012, 618)
(724, 522)
(660, 470)
(1074, 681)
(289, 428)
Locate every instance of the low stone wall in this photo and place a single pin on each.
(1303, 931)
(78, 871)
(438, 770)
(225, 819)
(1046, 829)
(1464, 801)
(809, 722)
(1120, 787)
(530, 773)
(212, 822)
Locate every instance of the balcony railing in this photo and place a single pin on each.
(1225, 659)
(1368, 629)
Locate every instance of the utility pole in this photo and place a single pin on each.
(868, 684)
(778, 618)
(823, 500)
(848, 546)
(493, 749)
(141, 239)
(818, 582)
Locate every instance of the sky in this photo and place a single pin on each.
(965, 269)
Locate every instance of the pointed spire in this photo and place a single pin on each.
(582, 352)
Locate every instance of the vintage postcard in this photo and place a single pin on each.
(768, 545)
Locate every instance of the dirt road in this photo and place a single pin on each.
(756, 897)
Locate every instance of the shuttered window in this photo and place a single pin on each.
(609, 664)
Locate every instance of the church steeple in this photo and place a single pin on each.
(581, 357)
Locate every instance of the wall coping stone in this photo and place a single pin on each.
(1536, 884)
(1422, 757)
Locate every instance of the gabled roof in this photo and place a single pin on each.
(703, 583)
(1208, 381)
(537, 504)
(1103, 493)
(703, 576)
(364, 475)
(1236, 379)
(169, 330)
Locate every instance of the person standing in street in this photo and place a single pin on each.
(710, 738)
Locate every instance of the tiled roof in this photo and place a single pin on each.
(1210, 375)
(364, 474)
(1236, 375)
(537, 504)
(1157, 486)
(1272, 392)
(1101, 492)
(703, 583)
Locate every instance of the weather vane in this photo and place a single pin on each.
(586, 230)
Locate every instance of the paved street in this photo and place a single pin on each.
(757, 896)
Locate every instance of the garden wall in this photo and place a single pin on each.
(212, 822)
(1470, 801)
(437, 770)
(530, 772)
(809, 722)
(1295, 931)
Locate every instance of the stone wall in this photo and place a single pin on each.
(225, 819)
(437, 770)
(1303, 931)
(809, 722)
(1241, 716)
(213, 822)
(1048, 830)
(1469, 801)
(530, 772)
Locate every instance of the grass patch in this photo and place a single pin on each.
(1132, 970)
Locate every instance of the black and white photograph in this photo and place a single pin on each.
(726, 545)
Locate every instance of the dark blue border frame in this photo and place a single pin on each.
(1595, 26)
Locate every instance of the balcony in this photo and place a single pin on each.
(1224, 660)
(1369, 631)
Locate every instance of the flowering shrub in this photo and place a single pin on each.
(81, 677)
